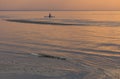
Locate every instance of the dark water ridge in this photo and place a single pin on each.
(66, 22)
(43, 22)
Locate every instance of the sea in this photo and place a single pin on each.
(83, 36)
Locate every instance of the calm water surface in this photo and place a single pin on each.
(60, 39)
(90, 42)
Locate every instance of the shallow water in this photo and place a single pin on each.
(96, 41)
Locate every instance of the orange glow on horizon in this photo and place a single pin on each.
(59, 5)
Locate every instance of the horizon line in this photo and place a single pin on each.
(59, 10)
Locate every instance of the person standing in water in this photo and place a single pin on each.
(50, 15)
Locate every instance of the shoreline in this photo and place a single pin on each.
(29, 67)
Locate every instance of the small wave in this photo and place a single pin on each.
(44, 22)
(48, 56)
(66, 22)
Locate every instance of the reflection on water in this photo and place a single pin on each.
(68, 41)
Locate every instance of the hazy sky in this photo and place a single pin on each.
(59, 4)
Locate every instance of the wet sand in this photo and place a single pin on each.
(29, 66)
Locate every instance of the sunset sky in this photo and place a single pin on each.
(59, 4)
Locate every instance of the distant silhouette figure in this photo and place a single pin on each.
(50, 16)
